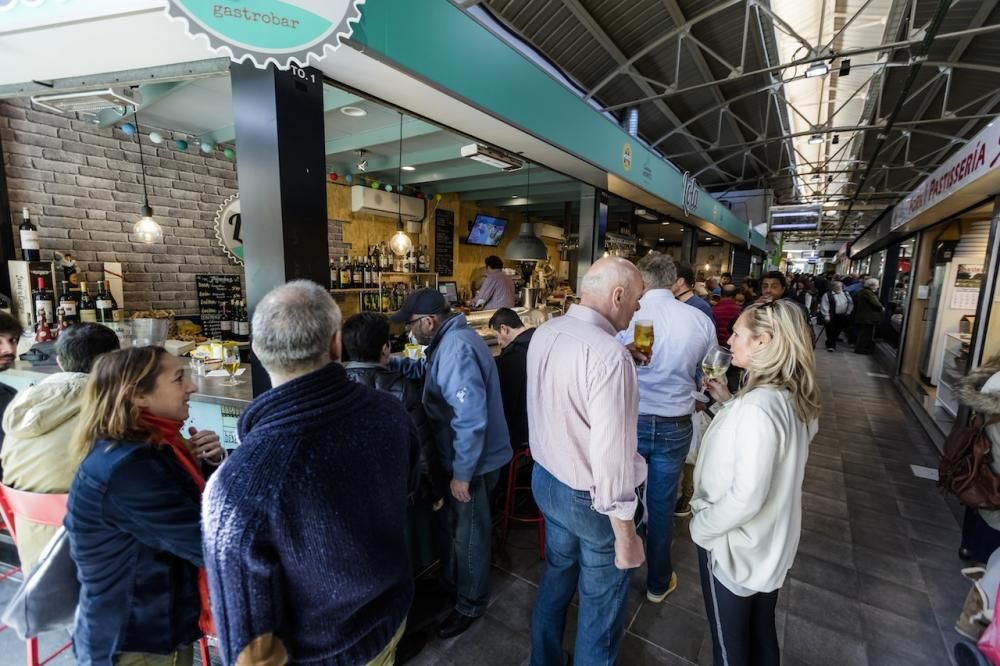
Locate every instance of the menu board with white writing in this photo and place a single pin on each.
(213, 291)
(444, 242)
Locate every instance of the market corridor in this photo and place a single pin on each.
(876, 580)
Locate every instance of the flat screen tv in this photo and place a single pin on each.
(486, 230)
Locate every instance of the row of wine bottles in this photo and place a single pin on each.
(365, 272)
(101, 308)
(235, 321)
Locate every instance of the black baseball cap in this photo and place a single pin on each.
(421, 302)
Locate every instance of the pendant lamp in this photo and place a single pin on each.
(527, 246)
(146, 230)
(400, 243)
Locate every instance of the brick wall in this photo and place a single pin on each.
(81, 184)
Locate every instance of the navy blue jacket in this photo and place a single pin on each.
(135, 536)
(462, 399)
(305, 522)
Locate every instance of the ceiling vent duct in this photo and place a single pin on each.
(632, 122)
(89, 101)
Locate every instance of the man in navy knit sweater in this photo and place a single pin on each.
(304, 524)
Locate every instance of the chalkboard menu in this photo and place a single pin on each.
(213, 291)
(444, 242)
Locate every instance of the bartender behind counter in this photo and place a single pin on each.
(497, 290)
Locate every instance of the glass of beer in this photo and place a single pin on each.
(643, 339)
(231, 362)
(715, 365)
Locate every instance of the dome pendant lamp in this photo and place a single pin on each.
(146, 230)
(527, 246)
(400, 243)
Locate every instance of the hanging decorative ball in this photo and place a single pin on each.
(181, 145)
(229, 153)
(388, 188)
(207, 147)
(348, 178)
(156, 137)
(375, 184)
(333, 176)
(128, 129)
(437, 197)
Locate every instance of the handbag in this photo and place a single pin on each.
(966, 470)
(48, 596)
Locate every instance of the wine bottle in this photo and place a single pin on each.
(88, 310)
(116, 314)
(357, 274)
(345, 274)
(43, 301)
(226, 321)
(244, 323)
(43, 333)
(105, 313)
(334, 275)
(29, 239)
(69, 304)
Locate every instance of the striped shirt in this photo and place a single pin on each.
(583, 406)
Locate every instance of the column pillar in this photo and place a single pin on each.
(281, 165)
(689, 245)
(593, 231)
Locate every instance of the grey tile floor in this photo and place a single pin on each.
(876, 581)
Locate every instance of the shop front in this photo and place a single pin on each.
(938, 281)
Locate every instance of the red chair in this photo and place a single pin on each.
(41, 508)
(510, 502)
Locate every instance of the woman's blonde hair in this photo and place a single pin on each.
(108, 410)
(789, 361)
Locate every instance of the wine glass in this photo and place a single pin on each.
(716, 363)
(231, 362)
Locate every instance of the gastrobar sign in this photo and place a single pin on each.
(282, 32)
(978, 157)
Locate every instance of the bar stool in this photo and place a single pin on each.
(510, 502)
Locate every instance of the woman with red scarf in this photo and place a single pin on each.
(134, 513)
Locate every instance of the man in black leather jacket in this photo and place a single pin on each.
(365, 341)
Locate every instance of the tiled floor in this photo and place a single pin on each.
(876, 580)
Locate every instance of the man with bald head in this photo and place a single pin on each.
(583, 405)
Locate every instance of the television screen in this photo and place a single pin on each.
(486, 230)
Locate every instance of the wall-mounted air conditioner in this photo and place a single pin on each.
(552, 231)
(386, 204)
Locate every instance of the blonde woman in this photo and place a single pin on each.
(747, 501)
(134, 509)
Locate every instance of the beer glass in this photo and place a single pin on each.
(643, 339)
(231, 362)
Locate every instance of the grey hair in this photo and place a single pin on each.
(293, 326)
(871, 283)
(607, 274)
(658, 270)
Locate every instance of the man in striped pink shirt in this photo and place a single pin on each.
(583, 403)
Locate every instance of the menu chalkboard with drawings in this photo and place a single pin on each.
(444, 242)
(213, 291)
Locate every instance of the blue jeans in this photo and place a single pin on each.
(466, 569)
(664, 443)
(579, 551)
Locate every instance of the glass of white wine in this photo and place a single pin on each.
(231, 362)
(716, 363)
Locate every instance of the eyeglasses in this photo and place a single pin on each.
(412, 322)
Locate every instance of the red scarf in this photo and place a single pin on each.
(167, 433)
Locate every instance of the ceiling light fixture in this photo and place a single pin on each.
(817, 69)
(491, 156)
(409, 168)
(815, 139)
(146, 229)
(527, 246)
(400, 243)
(353, 112)
(362, 161)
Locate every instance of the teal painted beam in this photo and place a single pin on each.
(570, 190)
(380, 136)
(335, 99)
(425, 159)
(494, 77)
(497, 179)
(150, 94)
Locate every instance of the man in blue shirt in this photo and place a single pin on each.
(681, 338)
(683, 289)
(465, 409)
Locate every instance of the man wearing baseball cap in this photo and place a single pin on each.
(465, 409)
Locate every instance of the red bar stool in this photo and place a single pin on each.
(510, 502)
(44, 509)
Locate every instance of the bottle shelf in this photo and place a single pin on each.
(392, 273)
(354, 290)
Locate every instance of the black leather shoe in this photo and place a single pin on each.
(454, 624)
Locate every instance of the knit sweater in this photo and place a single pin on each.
(304, 524)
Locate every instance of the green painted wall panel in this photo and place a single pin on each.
(436, 41)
